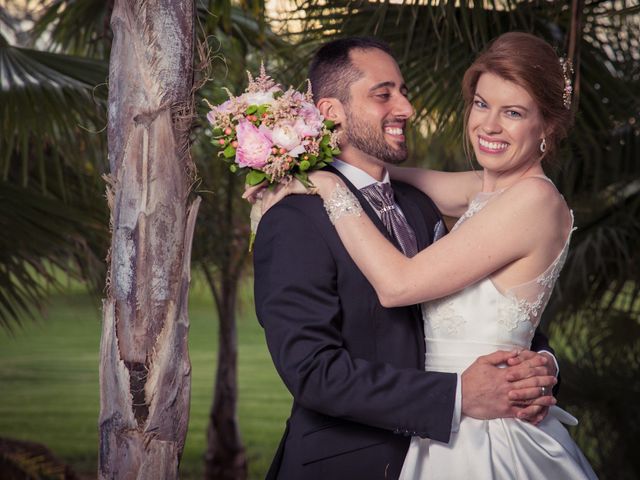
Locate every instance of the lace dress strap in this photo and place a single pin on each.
(528, 299)
(531, 297)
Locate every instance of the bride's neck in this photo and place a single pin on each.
(499, 180)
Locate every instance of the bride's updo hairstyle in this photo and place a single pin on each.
(532, 64)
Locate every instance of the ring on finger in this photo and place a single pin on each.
(543, 391)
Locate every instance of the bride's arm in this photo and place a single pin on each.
(501, 233)
(450, 191)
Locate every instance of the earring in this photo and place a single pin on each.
(543, 145)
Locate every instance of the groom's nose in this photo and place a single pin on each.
(403, 108)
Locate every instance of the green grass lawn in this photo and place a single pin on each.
(49, 383)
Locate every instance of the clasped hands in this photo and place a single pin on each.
(509, 384)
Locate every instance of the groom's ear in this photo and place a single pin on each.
(332, 109)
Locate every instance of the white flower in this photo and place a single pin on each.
(258, 98)
(284, 135)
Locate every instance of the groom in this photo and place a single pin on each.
(355, 368)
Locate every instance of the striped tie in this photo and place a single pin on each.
(380, 196)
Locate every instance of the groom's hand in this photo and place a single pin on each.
(486, 386)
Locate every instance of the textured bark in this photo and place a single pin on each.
(145, 372)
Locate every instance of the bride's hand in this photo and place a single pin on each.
(268, 197)
(323, 184)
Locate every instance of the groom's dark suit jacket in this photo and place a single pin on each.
(354, 368)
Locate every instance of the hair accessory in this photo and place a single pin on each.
(567, 72)
(543, 145)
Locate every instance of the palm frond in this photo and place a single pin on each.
(77, 27)
(49, 101)
(39, 235)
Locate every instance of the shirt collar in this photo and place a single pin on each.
(359, 178)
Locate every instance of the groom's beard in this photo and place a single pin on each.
(370, 140)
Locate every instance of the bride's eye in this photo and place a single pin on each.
(513, 114)
(479, 104)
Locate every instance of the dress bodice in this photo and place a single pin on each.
(475, 321)
(481, 319)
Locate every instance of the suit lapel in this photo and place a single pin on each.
(413, 215)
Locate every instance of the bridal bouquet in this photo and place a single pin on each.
(271, 135)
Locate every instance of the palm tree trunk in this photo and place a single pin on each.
(145, 373)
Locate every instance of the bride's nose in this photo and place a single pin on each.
(491, 124)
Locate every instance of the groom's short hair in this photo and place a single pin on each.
(331, 71)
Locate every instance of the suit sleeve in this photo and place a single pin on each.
(541, 342)
(299, 308)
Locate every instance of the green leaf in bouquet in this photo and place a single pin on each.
(229, 152)
(329, 124)
(304, 165)
(321, 164)
(325, 141)
(262, 109)
(312, 159)
(254, 177)
(303, 177)
(217, 132)
(251, 109)
(233, 167)
(335, 151)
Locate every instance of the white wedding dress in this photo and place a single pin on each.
(477, 321)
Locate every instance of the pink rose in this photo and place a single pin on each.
(305, 129)
(253, 147)
(309, 124)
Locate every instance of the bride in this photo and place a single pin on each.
(486, 283)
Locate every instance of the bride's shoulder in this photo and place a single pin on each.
(535, 190)
(538, 197)
(539, 202)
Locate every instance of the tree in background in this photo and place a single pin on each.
(238, 36)
(243, 41)
(145, 372)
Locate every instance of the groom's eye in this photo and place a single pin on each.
(384, 96)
